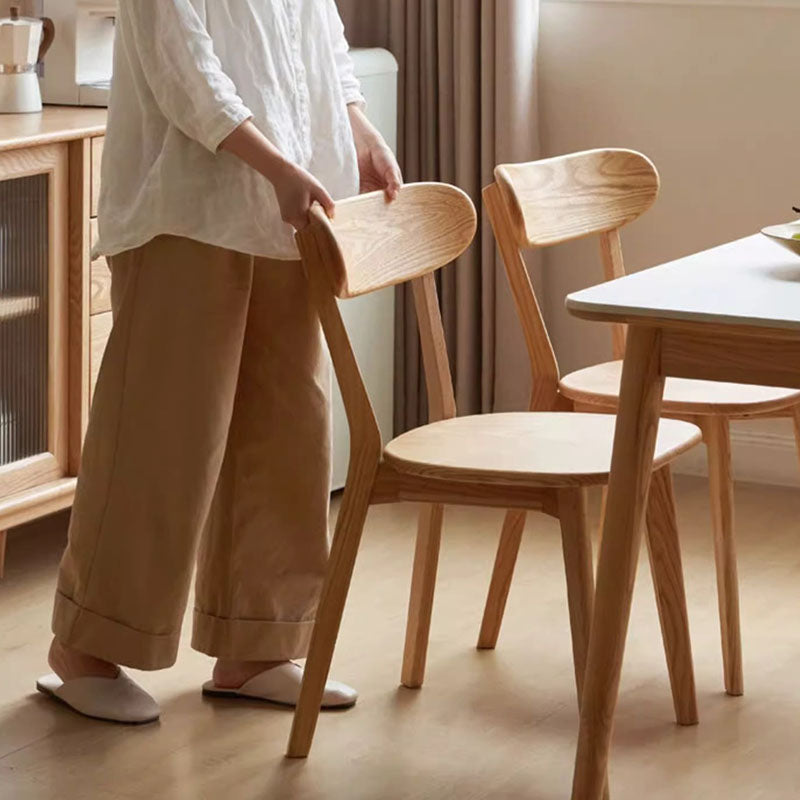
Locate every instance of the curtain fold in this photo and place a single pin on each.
(467, 103)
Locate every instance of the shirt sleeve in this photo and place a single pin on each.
(351, 87)
(182, 70)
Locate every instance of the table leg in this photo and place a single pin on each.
(631, 468)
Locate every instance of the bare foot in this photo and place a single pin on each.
(68, 663)
(232, 674)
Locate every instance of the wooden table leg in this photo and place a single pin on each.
(631, 468)
(3, 540)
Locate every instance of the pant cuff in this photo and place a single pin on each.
(113, 641)
(250, 639)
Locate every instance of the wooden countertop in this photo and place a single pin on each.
(54, 124)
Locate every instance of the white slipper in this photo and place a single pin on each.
(117, 699)
(281, 685)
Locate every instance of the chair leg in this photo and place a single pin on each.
(349, 527)
(718, 440)
(602, 520)
(503, 572)
(577, 546)
(796, 417)
(3, 540)
(423, 585)
(666, 568)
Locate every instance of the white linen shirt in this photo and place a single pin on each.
(189, 72)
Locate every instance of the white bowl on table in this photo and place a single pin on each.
(787, 235)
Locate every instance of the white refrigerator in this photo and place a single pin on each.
(370, 319)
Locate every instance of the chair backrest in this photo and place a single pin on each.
(560, 199)
(556, 200)
(372, 244)
(382, 244)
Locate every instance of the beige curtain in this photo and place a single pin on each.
(467, 103)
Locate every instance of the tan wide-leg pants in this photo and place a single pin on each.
(210, 425)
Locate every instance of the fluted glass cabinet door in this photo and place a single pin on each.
(33, 317)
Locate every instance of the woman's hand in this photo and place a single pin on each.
(377, 165)
(297, 189)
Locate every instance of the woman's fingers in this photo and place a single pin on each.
(325, 200)
(393, 181)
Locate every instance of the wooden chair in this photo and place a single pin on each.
(548, 202)
(525, 461)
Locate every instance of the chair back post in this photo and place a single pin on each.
(321, 259)
(614, 267)
(597, 192)
(370, 245)
(433, 343)
(544, 366)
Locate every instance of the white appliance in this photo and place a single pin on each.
(370, 319)
(23, 44)
(78, 70)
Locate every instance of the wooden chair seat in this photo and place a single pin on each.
(530, 449)
(599, 385)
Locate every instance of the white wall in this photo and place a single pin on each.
(712, 94)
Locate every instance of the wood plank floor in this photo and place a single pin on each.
(486, 725)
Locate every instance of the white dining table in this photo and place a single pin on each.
(731, 313)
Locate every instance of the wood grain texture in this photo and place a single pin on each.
(97, 160)
(438, 380)
(51, 161)
(721, 356)
(614, 267)
(666, 567)
(100, 279)
(27, 473)
(392, 486)
(530, 449)
(478, 460)
(420, 604)
(634, 447)
(599, 385)
(559, 199)
(79, 331)
(37, 501)
(318, 249)
(796, 419)
(720, 479)
(577, 549)
(502, 575)
(58, 302)
(100, 326)
(544, 367)
(54, 124)
(383, 244)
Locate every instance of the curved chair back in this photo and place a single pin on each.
(557, 200)
(372, 244)
(560, 199)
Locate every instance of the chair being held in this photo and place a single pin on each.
(527, 461)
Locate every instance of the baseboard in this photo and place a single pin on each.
(758, 457)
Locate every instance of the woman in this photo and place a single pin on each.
(228, 120)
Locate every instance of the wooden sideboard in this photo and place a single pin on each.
(54, 305)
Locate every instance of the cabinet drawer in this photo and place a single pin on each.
(101, 280)
(97, 157)
(100, 330)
